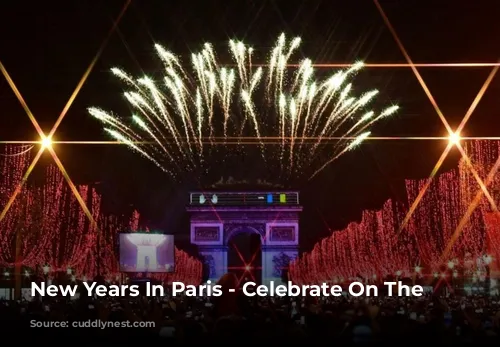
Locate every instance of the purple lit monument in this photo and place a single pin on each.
(217, 217)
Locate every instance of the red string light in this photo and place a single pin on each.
(46, 226)
(368, 249)
(373, 248)
(493, 233)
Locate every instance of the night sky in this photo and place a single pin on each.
(47, 46)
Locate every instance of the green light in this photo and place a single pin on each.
(283, 198)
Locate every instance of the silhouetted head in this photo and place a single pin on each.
(228, 281)
(227, 304)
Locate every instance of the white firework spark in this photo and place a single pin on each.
(181, 119)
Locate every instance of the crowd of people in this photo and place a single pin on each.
(235, 318)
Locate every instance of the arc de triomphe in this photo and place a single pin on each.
(216, 217)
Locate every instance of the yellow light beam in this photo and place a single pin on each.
(477, 99)
(21, 100)
(39, 131)
(470, 209)
(89, 70)
(412, 66)
(478, 179)
(223, 140)
(483, 186)
(21, 184)
(46, 140)
(454, 137)
(423, 190)
(388, 65)
(73, 188)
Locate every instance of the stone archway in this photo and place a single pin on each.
(212, 226)
(234, 230)
(244, 252)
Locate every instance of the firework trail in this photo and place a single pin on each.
(181, 119)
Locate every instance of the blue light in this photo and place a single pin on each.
(269, 198)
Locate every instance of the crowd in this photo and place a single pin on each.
(234, 318)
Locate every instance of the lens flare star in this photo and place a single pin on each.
(454, 139)
(46, 142)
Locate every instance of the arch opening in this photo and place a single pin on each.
(244, 257)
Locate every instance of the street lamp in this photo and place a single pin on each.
(46, 270)
(487, 259)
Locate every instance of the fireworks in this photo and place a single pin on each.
(295, 120)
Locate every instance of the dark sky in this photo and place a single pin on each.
(47, 46)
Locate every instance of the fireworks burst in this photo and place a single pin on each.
(295, 120)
